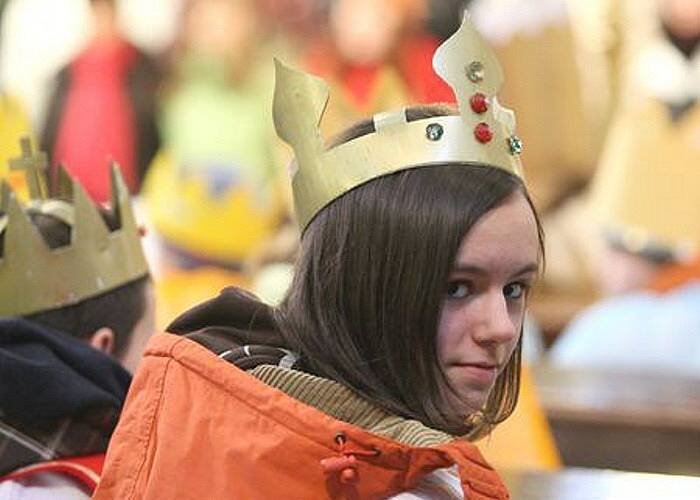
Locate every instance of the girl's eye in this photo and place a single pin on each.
(514, 291)
(458, 289)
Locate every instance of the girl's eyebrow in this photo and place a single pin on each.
(480, 271)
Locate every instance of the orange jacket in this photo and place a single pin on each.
(195, 427)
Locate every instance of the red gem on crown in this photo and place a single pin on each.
(479, 103)
(483, 133)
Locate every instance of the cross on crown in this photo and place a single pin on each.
(35, 166)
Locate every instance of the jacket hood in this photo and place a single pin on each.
(48, 376)
(237, 327)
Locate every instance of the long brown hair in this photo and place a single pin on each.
(370, 281)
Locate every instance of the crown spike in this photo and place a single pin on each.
(90, 230)
(299, 103)
(121, 205)
(467, 64)
(504, 115)
(64, 183)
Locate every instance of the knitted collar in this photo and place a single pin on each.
(339, 402)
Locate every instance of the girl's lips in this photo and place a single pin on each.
(479, 373)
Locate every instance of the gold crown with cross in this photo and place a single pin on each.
(483, 132)
(34, 277)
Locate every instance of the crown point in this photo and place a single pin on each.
(515, 145)
(434, 131)
(479, 103)
(483, 133)
(475, 71)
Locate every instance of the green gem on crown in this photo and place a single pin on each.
(515, 144)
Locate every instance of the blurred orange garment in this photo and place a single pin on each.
(675, 276)
(359, 91)
(524, 441)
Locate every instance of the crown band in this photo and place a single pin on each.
(35, 278)
(481, 134)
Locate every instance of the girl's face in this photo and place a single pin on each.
(484, 303)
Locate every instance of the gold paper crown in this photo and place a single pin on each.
(482, 133)
(35, 278)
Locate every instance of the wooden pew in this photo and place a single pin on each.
(628, 421)
(596, 484)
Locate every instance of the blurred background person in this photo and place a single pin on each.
(375, 55)
(646, 196)
(40, 37)
(534, 39)
(76, 308)
(103, 108)
(214, 194)
(294, 25)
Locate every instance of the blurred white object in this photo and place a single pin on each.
(38, 38)
(501, 20)
(150, 24)
(642, 330)
(661, 70)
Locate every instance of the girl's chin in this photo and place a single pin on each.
(470, 402)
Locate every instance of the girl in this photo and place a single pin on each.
(399, 334)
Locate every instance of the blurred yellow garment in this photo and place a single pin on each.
(178, 290)
(524, 441)
(213, 193)
(188, 217)
(14, 124)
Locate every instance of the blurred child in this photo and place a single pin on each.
(212, 192)
(103, 108)
(376, 56)
(646, 195)
(76, 307)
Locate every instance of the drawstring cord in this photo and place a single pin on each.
(346, 463)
